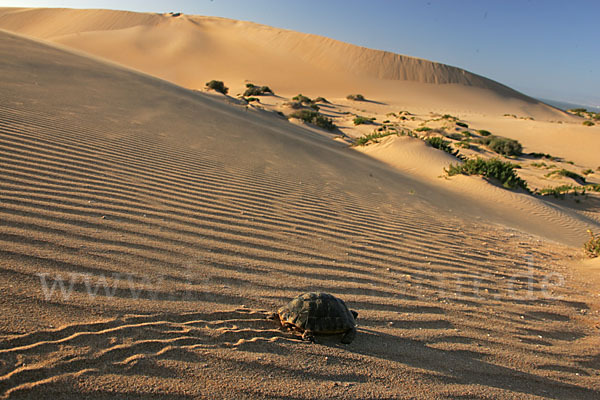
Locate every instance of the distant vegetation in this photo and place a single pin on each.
(588, 123)
(252, 90)
(560, 191)
(356, 97)
(582, 112)
(302, 99)
(568, 174)
(496, 169)
(502, 145)
(217, 86)
(483, 132)
(358, 120)
(592, 246)
(449, 117)
(372, 137)
(315, 118)
(441, 144)
(423, 129)
(462, 124)
(455, 136)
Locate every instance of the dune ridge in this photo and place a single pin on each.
(189, 50)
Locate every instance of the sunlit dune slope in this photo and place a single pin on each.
(189, 50)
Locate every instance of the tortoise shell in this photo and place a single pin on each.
(319, 313)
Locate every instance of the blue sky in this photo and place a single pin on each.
(544, 48)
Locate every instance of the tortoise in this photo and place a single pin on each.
(318, 313)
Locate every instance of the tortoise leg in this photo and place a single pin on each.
(349, 336)
(274, 316)
(308, 336)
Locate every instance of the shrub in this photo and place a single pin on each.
(577, 110)
(455, 136)
(462, 124)
(356, 97)
(302, 99)
(251, 99)
(296, 105)
(502, 145)
(358, 120)
(560, 191)
(440, 144)
(423, 129)
(449, 117)
(315, 118)
(505, 146)
(568, 174)
(256, 90)
(321, 100)
(592, 247)
(494, 168)
(373, 137)
(483, 132)
(217, 86)
(464, 144)
(542, 155)
(588, 123)
(588, 171)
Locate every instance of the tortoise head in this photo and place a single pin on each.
(354, 314)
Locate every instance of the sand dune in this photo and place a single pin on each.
(175, 221)
(190, 50)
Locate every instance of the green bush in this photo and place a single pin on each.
(505, 146)
(252, 90)
(217, 86)
(577, 110)
(321, 100)
(373, 137)
(356, 97)
(568, 174)
(483, 132)
(560, 191)
(455, 136)
(441, 144)
(358, 120)
(462, 124)
(302, 99)
(588, 171)
(592, 247)
(449, 117)
(502, 145)
(504, 172)
(423, 129)
(315, 118)
(588, 123)
(251, 99)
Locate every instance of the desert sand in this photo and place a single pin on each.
(148, 227)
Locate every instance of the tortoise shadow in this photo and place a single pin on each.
(466, 367)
